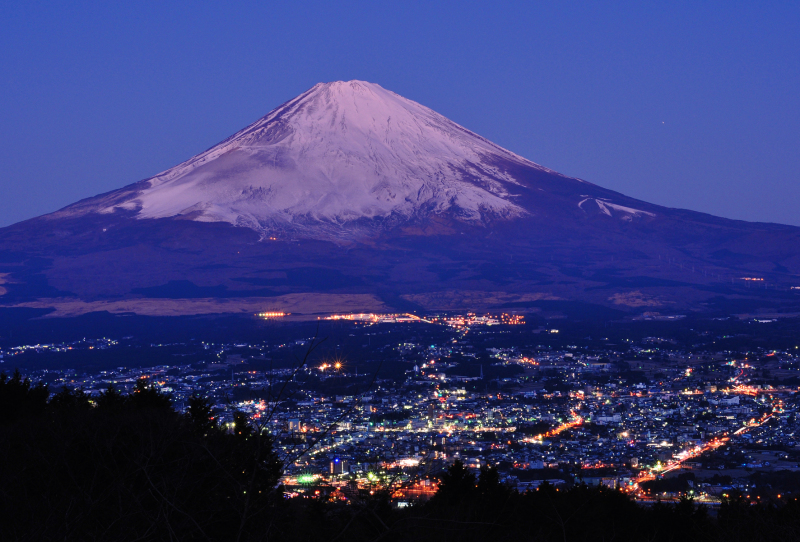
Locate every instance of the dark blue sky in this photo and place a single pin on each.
(684, 104)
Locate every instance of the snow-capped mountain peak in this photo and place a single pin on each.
(339, 153)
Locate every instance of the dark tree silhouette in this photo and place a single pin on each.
(18, 398)
(111, 400)
(128, 468)
(457, 485)
(200, 415)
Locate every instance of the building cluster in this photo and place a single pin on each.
(622, 415)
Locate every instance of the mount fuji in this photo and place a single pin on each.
(351, 197)
(333, 163)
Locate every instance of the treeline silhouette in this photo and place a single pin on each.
(129, 467)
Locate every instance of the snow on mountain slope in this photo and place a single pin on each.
(608, 209)
(338, 153)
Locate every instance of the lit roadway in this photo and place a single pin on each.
(712, 444)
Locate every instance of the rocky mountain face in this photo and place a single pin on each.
(355, 195)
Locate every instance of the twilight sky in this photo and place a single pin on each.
(683, 104)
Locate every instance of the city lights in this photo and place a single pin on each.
(268, 315)
(615, 414)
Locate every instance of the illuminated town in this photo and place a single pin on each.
(393, 400)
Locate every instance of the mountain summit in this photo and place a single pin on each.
(353, 192)
(347, 160)
(337, 154)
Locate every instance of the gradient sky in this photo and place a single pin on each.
(684, 104)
